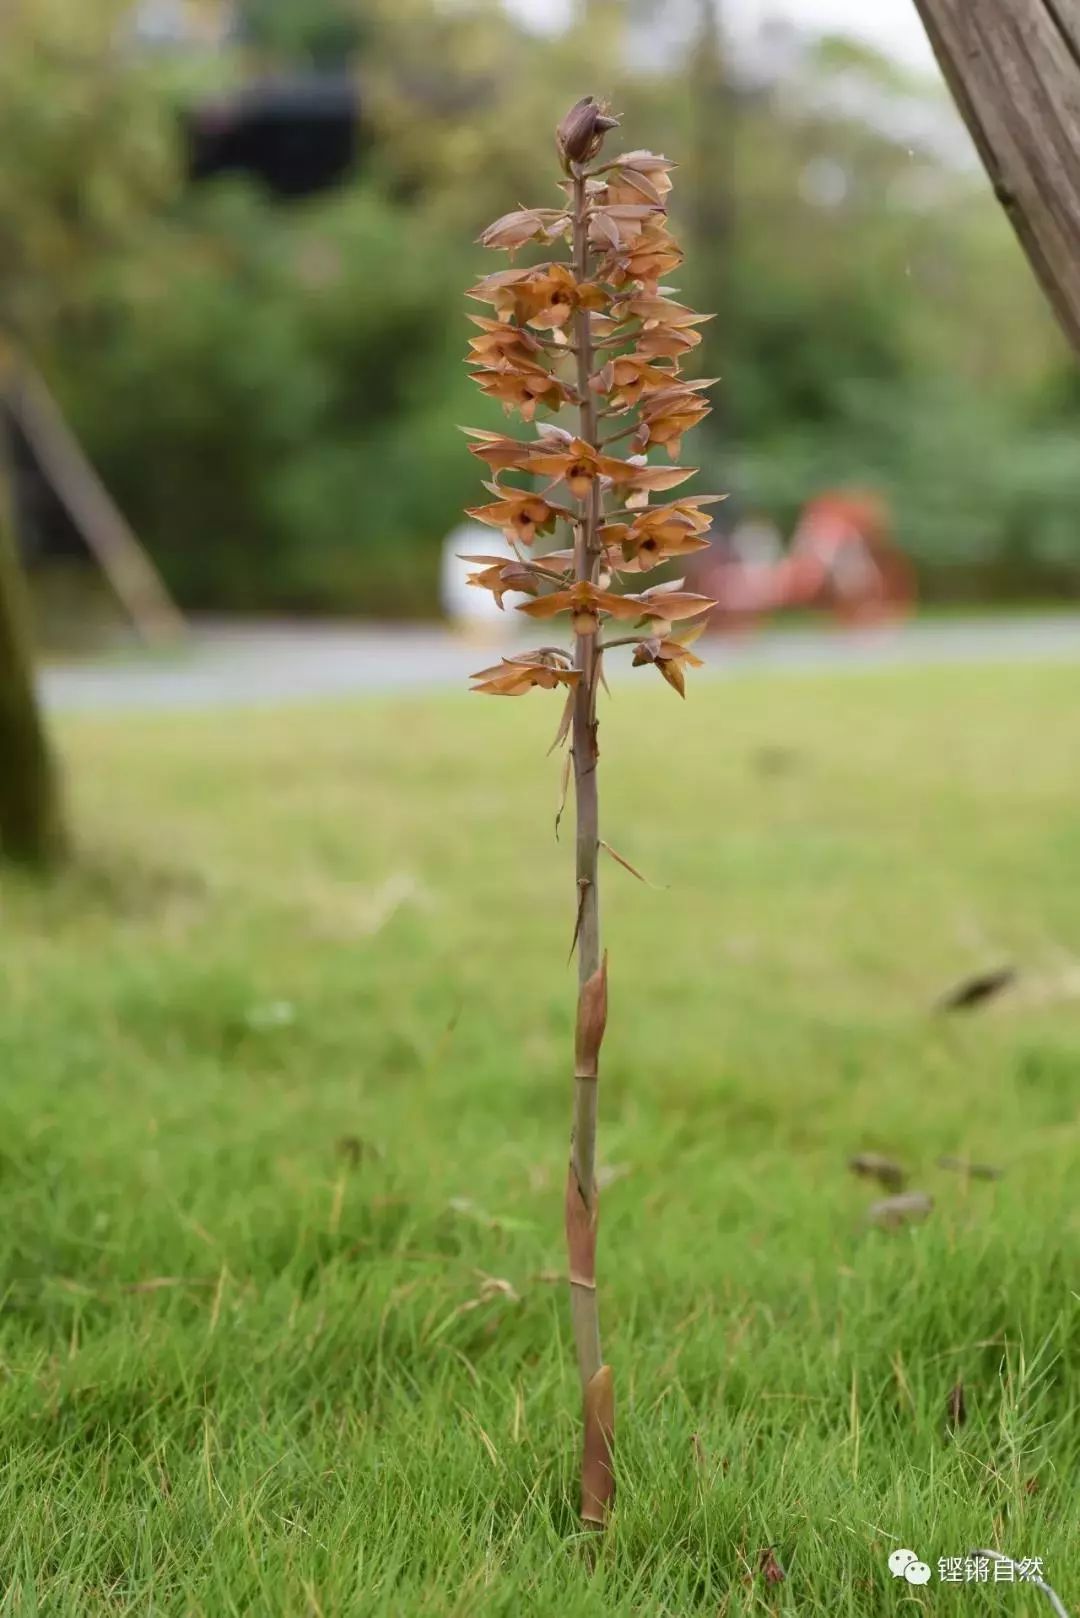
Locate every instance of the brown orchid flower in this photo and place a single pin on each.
(616, 227)
(503, 453)
(523, 225)
(515, 676)
(504, 575)
(575, 463)
(667, 606)
(653, 255)
(579, 464)
(625, 187)
(669, 657)
(584, 601)
(544, 296)
(520, 514)
(655, 309)
(660, 532)
(521, 386)
(669, 413)
(668, 329)
(639, 174)
(638, 478)
(626, 378)
(666, 342)
(499, 342)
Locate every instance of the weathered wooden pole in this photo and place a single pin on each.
(31, 824)
(109, 538)
(31, 818)
(1013, 67)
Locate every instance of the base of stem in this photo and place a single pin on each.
(597, 1461)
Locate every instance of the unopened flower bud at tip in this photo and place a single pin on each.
(581, 133)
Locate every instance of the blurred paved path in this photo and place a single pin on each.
(270, 663)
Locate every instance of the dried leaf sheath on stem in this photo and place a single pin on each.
(600, 336)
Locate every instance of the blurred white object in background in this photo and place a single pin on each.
(757, 542)
(467, 608)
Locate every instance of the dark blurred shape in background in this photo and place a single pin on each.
(297, 134)
(43, 524)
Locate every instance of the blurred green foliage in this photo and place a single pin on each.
(272, 391)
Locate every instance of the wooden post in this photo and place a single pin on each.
(31, 825)
(712, 180)
(1013, 67)
(121, 557)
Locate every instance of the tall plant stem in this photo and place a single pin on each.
(581, 1192)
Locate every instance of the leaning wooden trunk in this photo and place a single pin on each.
(1013, 67)
(31, 830)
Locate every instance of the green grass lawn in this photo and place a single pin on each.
(283, 1132)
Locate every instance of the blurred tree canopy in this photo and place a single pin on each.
(272, 390)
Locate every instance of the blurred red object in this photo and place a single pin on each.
(843, 559)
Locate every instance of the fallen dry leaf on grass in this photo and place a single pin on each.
(769, 1565)
(496, 1286)
(873, 1166)
(977, 990)
(492, 1287)
(907, 1208)
(974, 1171)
